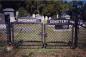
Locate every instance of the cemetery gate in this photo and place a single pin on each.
(35, 34)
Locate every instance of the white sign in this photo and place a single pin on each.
(29, 20)
(58, 21)
(10, 12)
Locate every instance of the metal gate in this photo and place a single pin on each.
(59, 34)
(41, 35)
(58, 38)
(28, 33)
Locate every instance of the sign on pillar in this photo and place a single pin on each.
(10, 12)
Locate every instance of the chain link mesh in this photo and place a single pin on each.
(58, 37)
(82, 37)
(27, 32)
(32, 32)
(58, 34)
(3, 34)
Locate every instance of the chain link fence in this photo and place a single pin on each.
(3, 34)
(3, 30)
(58, 37)
(30, 34)
(43, 35)
(37, 35)
(82, 37)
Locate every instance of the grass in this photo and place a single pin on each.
(52, 53)
(45, 53)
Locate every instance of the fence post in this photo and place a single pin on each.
(75, 40)
(8, 28)
(44, 35)
(12, 32)
(76, 33)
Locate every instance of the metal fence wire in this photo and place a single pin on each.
(42, 35)
(27, 32)
(82, 37)
(58, 37)
(39, 35)
(3, 30)
(3, 34)
(30, 34)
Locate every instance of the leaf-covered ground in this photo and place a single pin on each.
(45, 53)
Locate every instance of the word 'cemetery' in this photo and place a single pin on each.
(53, 22)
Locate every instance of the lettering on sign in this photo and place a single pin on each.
(54, 22)
(29, 20)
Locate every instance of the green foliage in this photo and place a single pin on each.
(49, 8)
(22, 12)
(43, 7)
(31, 6)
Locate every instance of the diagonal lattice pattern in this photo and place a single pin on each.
(27, 32)
(82, 37)
(58, 38)
(31, 33)
(58, 35)
(3, 33)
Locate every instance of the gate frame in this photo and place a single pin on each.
(10, 36)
